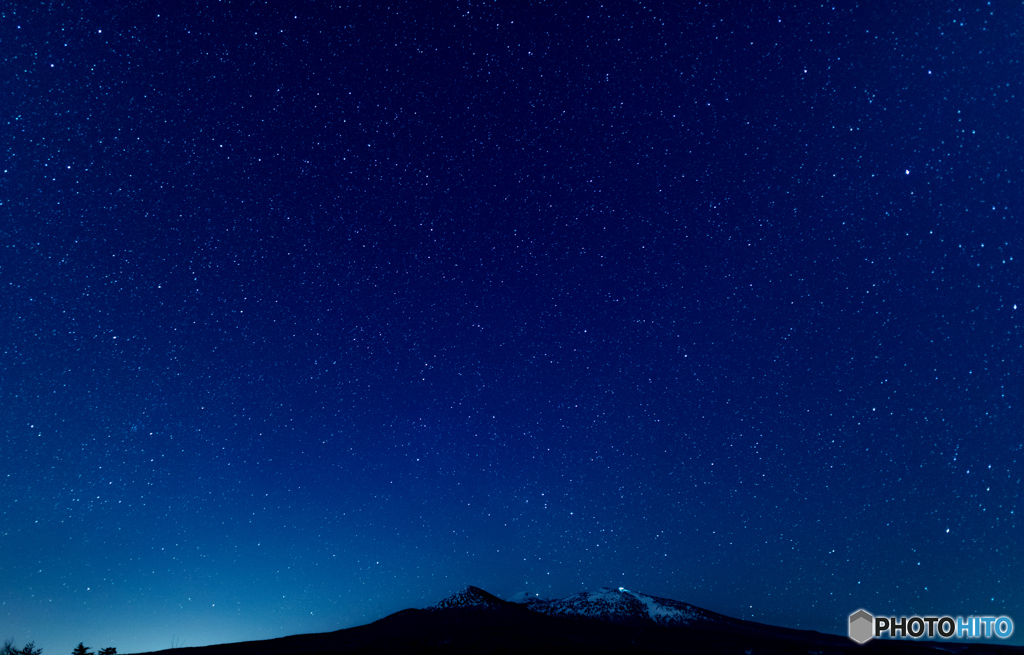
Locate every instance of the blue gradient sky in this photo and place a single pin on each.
(312, 313)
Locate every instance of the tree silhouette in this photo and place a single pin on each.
(109, 650)
(29, 649)
(80, 649)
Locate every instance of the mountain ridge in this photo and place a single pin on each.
(474, 621)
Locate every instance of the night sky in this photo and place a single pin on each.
(310, 313)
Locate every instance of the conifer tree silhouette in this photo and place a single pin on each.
(80, 649)
(29, 649)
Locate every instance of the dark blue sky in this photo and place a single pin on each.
(310, 313)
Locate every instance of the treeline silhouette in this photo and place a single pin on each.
(30, 649)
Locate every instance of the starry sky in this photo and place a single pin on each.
(311, 312)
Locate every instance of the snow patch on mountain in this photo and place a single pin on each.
(618, 606)
(530, 600)
(666, 611)
(605, 604)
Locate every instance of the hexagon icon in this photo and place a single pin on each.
(862, 626)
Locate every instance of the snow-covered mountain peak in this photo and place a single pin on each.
(469, 598)
(606, 604)
(618, 606)
(666, 611)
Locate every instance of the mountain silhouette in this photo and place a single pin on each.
(607, 621)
